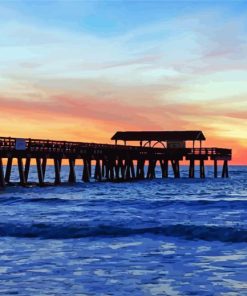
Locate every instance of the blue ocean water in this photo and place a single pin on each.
(160, 237)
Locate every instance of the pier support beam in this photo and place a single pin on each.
(202, 169)
(57, 168)
(132, 169)
(111, 164)
(127, 170)
(117, 169)
(175, 166)
(72, 175)
(40, 172)
(164, 168)
(21, 171)
(225, 169)
(192, 169)
(148, 176)
(107, 169)
(44, 162)
(103, 168)
(122, 167)
(27, 167)
(140, 169)
(86, 172)
(97, 173)
(215, 168)
(8, 169)
(89, 167)
(151, 169)
(2, 180)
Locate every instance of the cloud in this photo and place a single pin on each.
(182, 73)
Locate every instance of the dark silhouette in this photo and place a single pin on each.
(112, 162)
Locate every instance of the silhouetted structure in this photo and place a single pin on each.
(163, 137)
(111, 162)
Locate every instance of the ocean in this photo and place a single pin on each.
(152, 237)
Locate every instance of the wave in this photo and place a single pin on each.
(77, 230)
(47, 200)
(216, 201)
(16, 200)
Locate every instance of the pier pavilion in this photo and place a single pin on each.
(168, 139)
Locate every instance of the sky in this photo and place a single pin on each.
(81, 70)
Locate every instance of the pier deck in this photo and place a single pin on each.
(111, 162)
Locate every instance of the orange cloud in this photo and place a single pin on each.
(88, 118)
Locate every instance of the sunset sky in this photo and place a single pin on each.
(80, 70)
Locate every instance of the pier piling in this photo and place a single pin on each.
(21, 171)
(27, 167)
(44, 162)
(202, 169)
(2, 179)
(164, 168)
(225, 169)
(72, 175)
(8, 169)
(192, 169)
(57, 169)
(86, 172)
(175, 166)
(97, 174)
(215, 168)
(40, 171)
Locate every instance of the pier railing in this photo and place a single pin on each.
(38, 145)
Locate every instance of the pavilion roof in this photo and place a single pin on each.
(159, 136)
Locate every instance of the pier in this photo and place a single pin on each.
(106, 162)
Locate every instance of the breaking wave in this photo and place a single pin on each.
(73, 231)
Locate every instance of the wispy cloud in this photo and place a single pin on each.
(184, 72)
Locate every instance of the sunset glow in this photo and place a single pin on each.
(80, 70)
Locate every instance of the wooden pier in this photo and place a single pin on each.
(109, 162)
